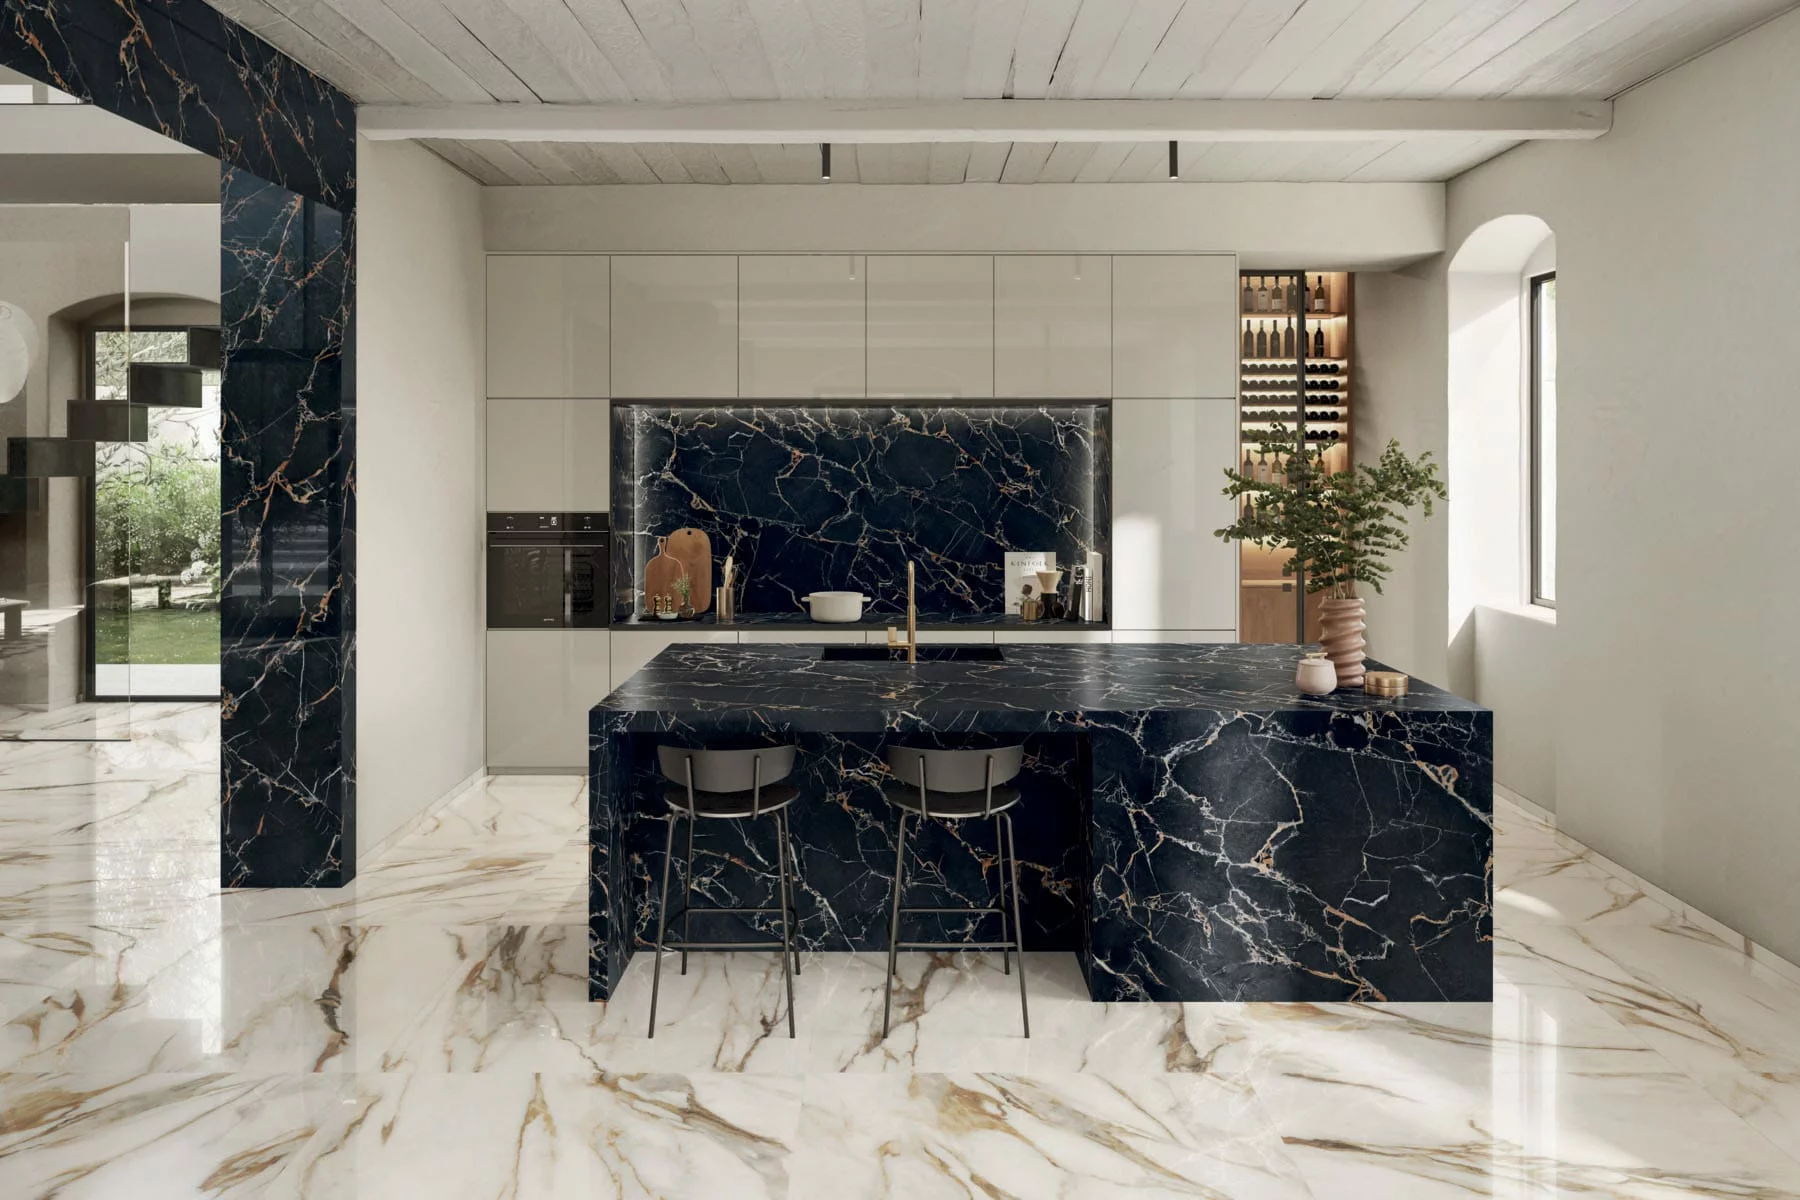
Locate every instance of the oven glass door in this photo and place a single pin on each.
(526, 587)
(590, 599)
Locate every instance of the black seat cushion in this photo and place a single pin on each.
(775, 796)
(952, 805)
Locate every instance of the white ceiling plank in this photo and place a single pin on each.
(452, 38)
(586, 161)
(838, 26)
(1441, 79)
(874, 164)
(1144, 30)
(1296, 46)
(467, 161)
(662, 159)
(1026, 162)
(410, 50)
(1501, 73)
(1417, 28)
(1090, 42)
(334, 62)
(567, 41)
(911, 162)
(511, 40)
(1144, 161)
(948, 162)
(1065, 161)
(1324, 70)
(986, 161)
(1042, 35)
(1103, 162)
(946, 32)
(795, 62)
(1196, 28)
(1196, 157)
(1656, 50)
(1423, 161)
(608, 23)
(891, 44)
(991, 48)
(731, 41)
(545, 159)
(508, 162)
(1472, 20)
(626, 163)
(738, 163)
(666, 30)
(1252, 28)
(699, 163)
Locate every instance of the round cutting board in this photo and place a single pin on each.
(693, 550)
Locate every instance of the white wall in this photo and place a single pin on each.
(1276, 225)
(1676, 677)
(1516, 675)
(419, 388)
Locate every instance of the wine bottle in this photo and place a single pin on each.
(1318, 345)
(1249, 300)
(1278, 297)
(1287, 340)
(1262, 340)
(1321, 302)
(1293, 294)
(1262, 464)
(1262, 294)
(1249, 341)
(1249, 471)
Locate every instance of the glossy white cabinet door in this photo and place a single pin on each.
(1175, 328)
(633, 647)
(1168, 570)
(931, 326)
(547, 325)
(1053, 326)
(525, 452)
(587, 455)
(939, 637)
(1192, 637)
(590, 679)
(674, 326)
(528, 701)
(805, 634)
(1053, 636)
(801, 325)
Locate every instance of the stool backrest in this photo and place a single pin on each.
(747, 770)
(955, 771)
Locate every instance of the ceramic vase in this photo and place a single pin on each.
(1341, 628)
(1316, 676)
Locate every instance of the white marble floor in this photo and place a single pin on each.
(425, 1033)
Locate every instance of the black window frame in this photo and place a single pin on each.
(1535, 287)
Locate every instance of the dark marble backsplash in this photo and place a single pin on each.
(816, 497)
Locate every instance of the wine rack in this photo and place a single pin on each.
(1294, 334)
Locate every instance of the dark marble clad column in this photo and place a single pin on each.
(286, 141)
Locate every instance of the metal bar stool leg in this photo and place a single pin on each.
(687, 899)
(793, 869)
(787, 942)
(1012, 846)
(662, 916)
(887, 1003)
(1000, 849)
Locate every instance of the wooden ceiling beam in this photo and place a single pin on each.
(776, 122)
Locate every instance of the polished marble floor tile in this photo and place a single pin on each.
(426, 1031)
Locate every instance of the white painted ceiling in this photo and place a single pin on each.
(612, 51)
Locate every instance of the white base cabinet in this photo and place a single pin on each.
(1192, 637)
(540, 685)
(635, 646)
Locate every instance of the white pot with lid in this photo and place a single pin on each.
(836, 607)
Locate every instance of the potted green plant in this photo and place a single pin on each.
(1340, 525)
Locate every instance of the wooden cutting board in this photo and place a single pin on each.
(660, 574)
(693, 549)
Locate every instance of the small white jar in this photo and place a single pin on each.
(1316, 675)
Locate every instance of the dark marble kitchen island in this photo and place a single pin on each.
(1193, 828)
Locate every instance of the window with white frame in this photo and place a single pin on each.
(1543, 439)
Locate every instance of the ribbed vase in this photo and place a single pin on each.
(1341, 628)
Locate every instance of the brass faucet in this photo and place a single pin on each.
(911, 644)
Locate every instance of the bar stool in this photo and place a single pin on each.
(951, 786)
(726, 785)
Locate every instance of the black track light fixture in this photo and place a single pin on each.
(1174, 160)
(825, 160)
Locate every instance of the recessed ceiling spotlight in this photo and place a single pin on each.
(1174, 160)
(824, 160)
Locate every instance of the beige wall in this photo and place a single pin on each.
(1676, 680)
(419, 373)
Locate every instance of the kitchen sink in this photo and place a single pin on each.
(926, 654)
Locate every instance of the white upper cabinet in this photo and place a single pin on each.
(1053, 326)
(931, 326)
(1168, 570)
(801, 326)
(1174, 325)
(548, 455)
(547, 325)
(675, 326)
(587, 457)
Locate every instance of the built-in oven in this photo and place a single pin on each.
(549, 571)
